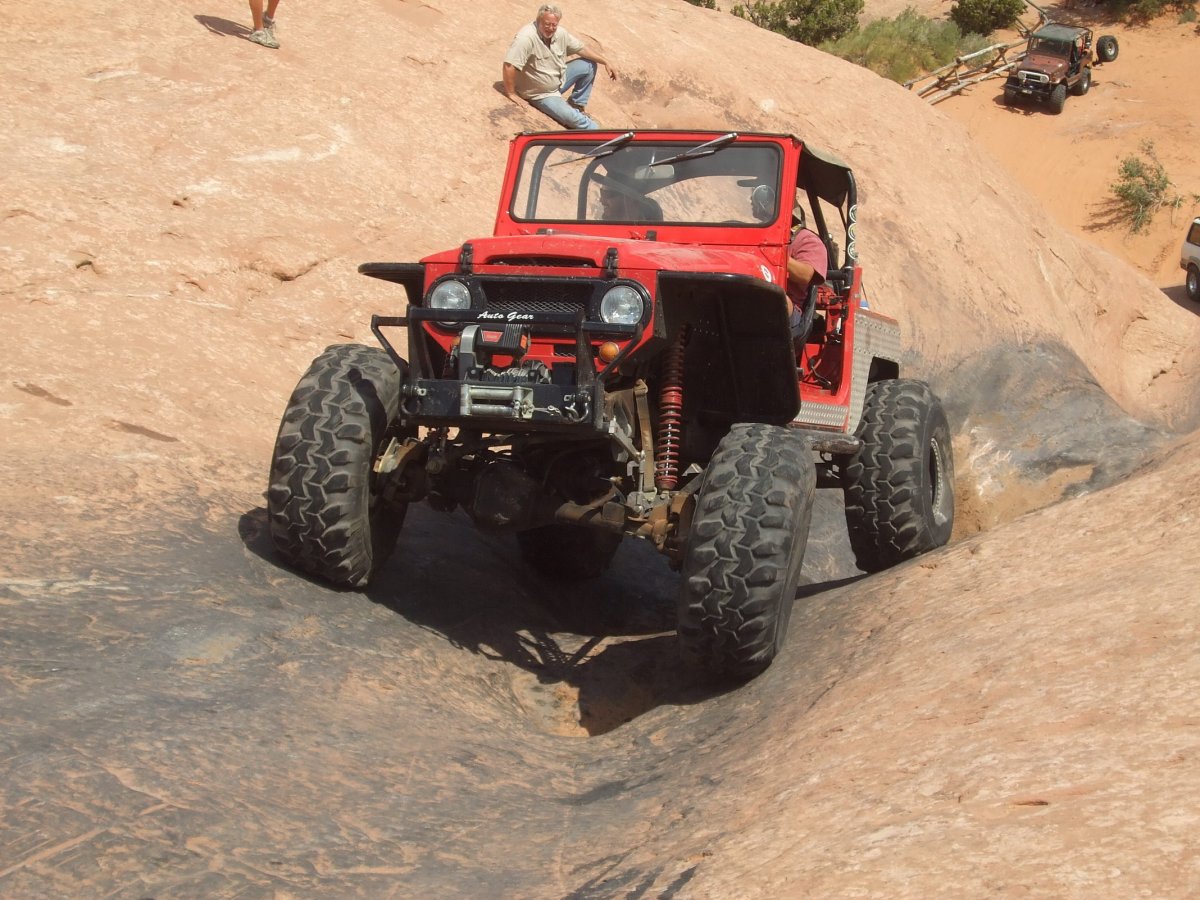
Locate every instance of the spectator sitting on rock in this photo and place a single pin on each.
(536, 70)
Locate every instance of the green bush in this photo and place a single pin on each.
(985, 16)
(706, 4)
(903, 47)
(1142, 188)
(811, 22)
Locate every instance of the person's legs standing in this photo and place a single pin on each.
(259, 34)
(269, 16)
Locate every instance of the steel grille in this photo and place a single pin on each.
(536, 296)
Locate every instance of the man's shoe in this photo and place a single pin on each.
(579, 106)
(263, 38)
(269, 25)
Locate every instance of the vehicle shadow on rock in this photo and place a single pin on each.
(609, 641)
(1017, 108)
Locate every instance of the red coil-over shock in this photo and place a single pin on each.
(670, 414)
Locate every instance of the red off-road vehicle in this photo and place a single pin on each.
(596, 370)
(1058, 60)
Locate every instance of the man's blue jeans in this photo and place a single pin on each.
(580, 75)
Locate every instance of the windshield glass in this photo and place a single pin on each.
(561, 183)
(1049, 47)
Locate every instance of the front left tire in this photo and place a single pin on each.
(745, 547)
(1058, 99)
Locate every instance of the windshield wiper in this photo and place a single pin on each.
(606, 149)
(706, 149)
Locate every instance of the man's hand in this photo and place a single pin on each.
(612, 73)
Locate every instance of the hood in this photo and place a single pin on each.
(1044, 63)
(565, 250)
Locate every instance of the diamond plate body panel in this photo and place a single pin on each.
(874, 337)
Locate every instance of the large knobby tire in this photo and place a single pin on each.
(1192, 283)
(899, 488)
(1082, 85)
(1058, 99)
(326, 516)
(745, 547)
(1106, 48)
(568, 552)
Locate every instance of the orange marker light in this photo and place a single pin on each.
(609, 351)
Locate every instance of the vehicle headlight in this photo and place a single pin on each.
(450, 294)
(622, 305)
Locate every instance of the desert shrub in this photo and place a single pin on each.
(1142, 188)
(905, 46)
(811, 22)
(1146, 10)
(985, 16)
(705, 4)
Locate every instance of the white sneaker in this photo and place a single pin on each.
(269, 25)
(263, 38)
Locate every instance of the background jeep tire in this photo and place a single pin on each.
(326, 517)
(568, 552)
(1192, 283)
(1106, 48)
(1058, 99)
(899, 488)
(744, 552)
(1082, 85)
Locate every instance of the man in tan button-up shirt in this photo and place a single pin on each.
(536, 70)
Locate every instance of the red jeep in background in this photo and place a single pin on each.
(616, 361)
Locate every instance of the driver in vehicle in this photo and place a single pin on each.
(618, 205)
(808, 258)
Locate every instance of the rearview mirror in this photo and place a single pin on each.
(654, 173)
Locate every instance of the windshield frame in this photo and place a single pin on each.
(743, 159)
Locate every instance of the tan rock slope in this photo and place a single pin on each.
(182, 213)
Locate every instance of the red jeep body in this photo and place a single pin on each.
(621, 358)
(713, 266)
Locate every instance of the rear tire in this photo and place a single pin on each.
(326, 516)
(1106, 48)
(1192, 283)
(745, 548)
(568, 552)
(899, 488)
(1058, 99)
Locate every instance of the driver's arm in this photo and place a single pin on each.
(800, 273)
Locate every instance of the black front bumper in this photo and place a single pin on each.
(573, 405)
(1028, 90)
